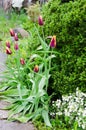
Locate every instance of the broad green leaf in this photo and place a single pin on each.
(24, 119)
(34, 56)
(43, 43)
(50, 57)
(42, 83)
(39, 48)
(19, 91)
(17, 109)
(46, 118)
(14, 92)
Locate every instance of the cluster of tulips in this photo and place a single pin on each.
(16, 46)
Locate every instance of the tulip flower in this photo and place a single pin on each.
(16, 37)
(22, 61)
(53, 42)
(40, 20)
(12, 33)
(36, 68)
(8, 44)
(8, 51)
(16, 47)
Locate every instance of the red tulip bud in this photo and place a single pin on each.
(8, 51)
(8, 44)
(16, 47)
(36, 68)
(40, 20)
(53, 42)
(22, 61)
(12, 33)
(16, 37)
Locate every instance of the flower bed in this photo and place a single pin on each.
(72, 109)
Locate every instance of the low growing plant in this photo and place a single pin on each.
(72, 110)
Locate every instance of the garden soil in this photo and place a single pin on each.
(4, 124)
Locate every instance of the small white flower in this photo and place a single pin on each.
(73, 106)
(59, 113)
(84, 113)
(65, 98)
(66, 112)
(83, 126)
(58, 103)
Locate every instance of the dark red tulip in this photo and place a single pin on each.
(16, 46)
(53, 42)
(40, 20)
(12, 33)
(8, 51)
(22, 61)
(8, 44)
(36, 68)
(16, 37)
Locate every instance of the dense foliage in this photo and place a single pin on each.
(68, 22)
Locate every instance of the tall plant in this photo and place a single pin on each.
(27, 79)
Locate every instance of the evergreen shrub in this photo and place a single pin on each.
(68, 22)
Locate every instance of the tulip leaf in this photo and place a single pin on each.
(14, 92)
(50, 57)
(24, 119)
(39, 48)
(46, 118)
(42, 82)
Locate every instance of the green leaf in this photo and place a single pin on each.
(14, 92)
(75, 125)
(43, 43)
(39, 48)
(34, 56)
(46, 118)
(22, 119)
(50, 57)
(42, 83)
(19, 91)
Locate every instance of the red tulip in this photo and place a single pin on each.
(22, 61)
(40, 20)
(53, 42)
(16, 37)
(36, 68)
(12, 33)
(8, 51)
(8, 44)
(16, 47)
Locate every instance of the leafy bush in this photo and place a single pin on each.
(68, 22)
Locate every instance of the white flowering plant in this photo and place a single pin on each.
(72, 110)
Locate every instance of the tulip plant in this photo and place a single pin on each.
(27, 80)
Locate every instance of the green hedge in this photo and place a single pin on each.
(68, 22)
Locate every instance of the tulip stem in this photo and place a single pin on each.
(43, 34)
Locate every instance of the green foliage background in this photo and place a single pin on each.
(68, 22)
